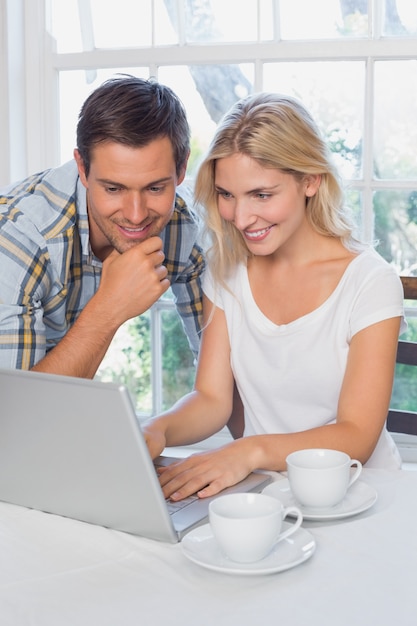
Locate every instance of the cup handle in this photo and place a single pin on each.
(356, 473)
(295, 511)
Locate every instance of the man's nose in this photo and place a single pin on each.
(135, 209)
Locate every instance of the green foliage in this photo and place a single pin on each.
(339, 143)
(177, 360)
(128, 361)
(404, 395)
(396, 228)
(137, 372)
(196, 153)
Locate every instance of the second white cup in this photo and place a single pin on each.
(320, 478)
(247, 526)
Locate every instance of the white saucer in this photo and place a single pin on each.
(359, 498)
(200, 547)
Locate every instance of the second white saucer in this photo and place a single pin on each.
(200, 546)
(359, 498)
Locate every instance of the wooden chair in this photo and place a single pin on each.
(400, 421)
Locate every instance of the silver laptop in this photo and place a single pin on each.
(74, 447)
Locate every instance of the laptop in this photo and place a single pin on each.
(74, 447)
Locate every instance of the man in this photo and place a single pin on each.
(88, 245)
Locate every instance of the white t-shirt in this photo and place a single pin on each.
(289, 376)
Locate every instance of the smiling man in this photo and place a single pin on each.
(88, 245)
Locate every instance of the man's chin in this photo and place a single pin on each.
(124, 246)
(123, 243)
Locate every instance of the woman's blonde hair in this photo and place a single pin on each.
(277, 132)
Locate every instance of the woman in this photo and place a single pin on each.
(300, 314)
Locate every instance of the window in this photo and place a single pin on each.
(353, 63)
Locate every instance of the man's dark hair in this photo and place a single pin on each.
(134, 112)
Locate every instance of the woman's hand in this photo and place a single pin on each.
(155, 439)
(207, 473)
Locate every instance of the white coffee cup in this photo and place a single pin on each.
(320, 478)
(247, 526)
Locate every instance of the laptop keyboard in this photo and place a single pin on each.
(173, 507)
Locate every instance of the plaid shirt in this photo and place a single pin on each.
(49, 272)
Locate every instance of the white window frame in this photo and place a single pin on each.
(30, 66)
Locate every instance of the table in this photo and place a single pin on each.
(58, 572)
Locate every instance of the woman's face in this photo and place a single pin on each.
(266, 205)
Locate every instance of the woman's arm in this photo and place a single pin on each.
(363, 402)
(207, 408)
(362, 411)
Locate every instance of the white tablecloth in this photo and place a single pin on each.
(58, 572)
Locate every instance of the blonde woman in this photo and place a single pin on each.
(298, 312)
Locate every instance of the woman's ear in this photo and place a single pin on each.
(312, 183)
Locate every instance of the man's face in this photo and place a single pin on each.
(130, 193)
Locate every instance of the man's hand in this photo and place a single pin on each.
(131, 282)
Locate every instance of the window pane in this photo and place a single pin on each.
(334, 94)
(74, 88)
(404, 394)
(400, 18)
(65, 25)
(109, 24)
(396, 228)
(128, 361)
(178, 370)
(166, 24)
(328, 19)
(220, 21)
(395, 155)
(207, 92)
(354, 200)
(266, 20)
(121, 23)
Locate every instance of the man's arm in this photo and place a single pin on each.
(130, 283)
(33, 315)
